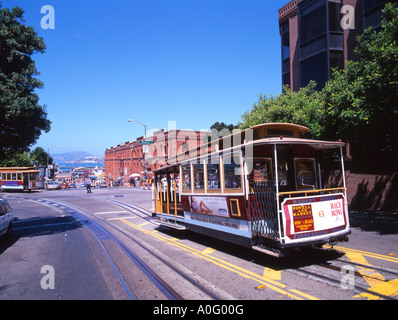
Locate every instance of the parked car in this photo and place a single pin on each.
(53, 185)
(72, 185)
(6, 217)
(103, 185)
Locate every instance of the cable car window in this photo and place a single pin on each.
(14, 176)
(19, 176)
(9, 176)
(3, 176)
(305, 174)
(232, 172)
(262, 170)
(284, 164)
(213, 175)
(186, 178)
(283, 170)
(199, 176)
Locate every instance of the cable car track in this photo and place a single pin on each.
(325, 268)
(102, 233)
(343, 271)
(336, 280)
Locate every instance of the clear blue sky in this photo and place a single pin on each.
(190, 61)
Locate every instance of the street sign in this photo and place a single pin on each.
(145, 142)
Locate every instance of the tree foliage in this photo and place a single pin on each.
(361, 102)
(22, 119)
(41, 156)
(220, 126)
(301, 107)
(26, 159)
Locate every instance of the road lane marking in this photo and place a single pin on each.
(208, 251)
(368, 254)
(272, 274)
(376, 281)
(267, 282)
(110, 212)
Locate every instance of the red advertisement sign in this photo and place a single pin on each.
(302, 218)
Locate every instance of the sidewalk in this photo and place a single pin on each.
(383, 222)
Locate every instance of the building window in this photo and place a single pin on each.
(285, 41)
(335, 15)
(315, 68)
(285, 54)
(336, 60)
(312, 20)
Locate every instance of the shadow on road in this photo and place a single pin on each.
(38, 226)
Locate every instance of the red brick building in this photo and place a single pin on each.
(129, 160)
(318, 35)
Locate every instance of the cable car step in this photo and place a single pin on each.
(271, 252)
(169, 224)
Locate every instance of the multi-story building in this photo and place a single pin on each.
(136, 159)
(318, 35)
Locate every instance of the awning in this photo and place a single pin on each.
(135, 175)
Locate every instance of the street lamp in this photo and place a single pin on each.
(131, 120)
(143, 154)
(48, 156)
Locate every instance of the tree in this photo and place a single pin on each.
(220, 126)
(40, 155)
(301, 107)
(219, 130)
(360, 103)
(22, 119)
(16, 159)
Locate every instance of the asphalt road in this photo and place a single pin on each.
(68, 244)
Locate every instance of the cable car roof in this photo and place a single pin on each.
(262, 134)
(19, 169)
(316, 144)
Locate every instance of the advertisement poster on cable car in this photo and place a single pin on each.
(310, 217)
(216, 206)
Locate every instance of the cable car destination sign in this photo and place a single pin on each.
(315, 216)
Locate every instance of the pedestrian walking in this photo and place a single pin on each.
(88, 185)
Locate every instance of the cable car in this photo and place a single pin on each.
(260, 188)
(20, 178)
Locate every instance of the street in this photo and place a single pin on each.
(68, 244)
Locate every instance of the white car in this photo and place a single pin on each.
(53, 185)
(6, 217)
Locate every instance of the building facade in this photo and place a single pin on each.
(135, 160)
(319, 35)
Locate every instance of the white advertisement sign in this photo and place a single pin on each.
(314, 216)
(216, 206)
